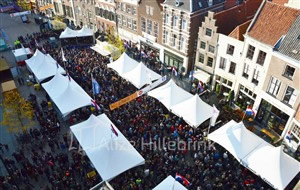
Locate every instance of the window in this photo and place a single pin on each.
(134, 10)
(255, 78)
(261, 57)
(229, 83)
(274, 86)
(202, 45)
(208, 32)
(174, 40)
(128, 22)
(175, 18)
(122, 6)
(296, 129)
(149, 26)
(201, 58)
(222, 63)
(147, 10)
(289, 72)
(118, 5)
(246, 71)
(232, 67)
(290, 96)
(211, 49)
(210, 61)
(143, 24)
(134, 25)
(128, 9)
(165, 37)
(166, 18)
(124, 20)
(119, 21)
(181, 43)
(250, 52)
(218, 78)
(230, 49)
(183, 24)
(155, 29)
(151, 11)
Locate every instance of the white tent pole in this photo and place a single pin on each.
(96, 186)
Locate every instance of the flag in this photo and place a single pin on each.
(182, 179)
(174, 71)
(44, 50)
(95, 105)
(288, 136)
(214, 117)
(191, 76)
(63, 55)
(96, 87)
(200, 86)
(250, 111)
(114, 130)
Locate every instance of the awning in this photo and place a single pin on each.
(202, 76)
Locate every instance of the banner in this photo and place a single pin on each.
(7, 8)
(50, 6)
(214, 117)
(20, 14)
(151, 86)
(123, 101)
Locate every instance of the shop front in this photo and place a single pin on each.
(148, 46)
(271, 117)
(172, 60)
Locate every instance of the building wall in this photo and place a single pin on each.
(105, 15)
(85, 13)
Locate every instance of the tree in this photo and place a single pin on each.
(115, 40)
(24, 4)
(17, 112)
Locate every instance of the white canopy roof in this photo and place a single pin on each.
(202, 76)
(170, 184)
(43, 66)
(193, 110)
(110, 154)
(123, 64)
(100, 48)
(140, 75)
(265, 160)
(21, 51)
(69, 33)
(67, 95)
(170, 94)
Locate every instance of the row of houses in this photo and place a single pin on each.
(249, 47)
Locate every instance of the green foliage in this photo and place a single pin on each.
(218, 89)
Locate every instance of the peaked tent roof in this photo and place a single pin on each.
(69, 33)
(123, 64)
(43, 66)
(169, 184)
(265, 160)
(140, 75)
(170, 94)
(110, 154)
(193, 110)
(21, 51)
(85, 32)
(271, 22)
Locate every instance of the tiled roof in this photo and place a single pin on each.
(290, 45)
(240, 30)
(191, 5)
(229, 19)
(280, 2)
(272, 22)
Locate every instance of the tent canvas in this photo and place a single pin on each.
(21, 52)
(110, 154)
(85, 32)
(123, 64)
(140, 75)
(170, 94)
(69, 33)
(265, 160)
(43, 66)
(170, 184)
(193, 110)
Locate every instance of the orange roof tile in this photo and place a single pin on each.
(229, 19)
(240, 30)
(272, 22)
(280, 2)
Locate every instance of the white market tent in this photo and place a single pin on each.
(123, 64)
(140, 75)
(193, 110)
(43, 66)
(110, 154)
(21, 53)
(100, 47)
(170, 184)
(269, 162)
(69, 33)
(67, 95)
(170, 94)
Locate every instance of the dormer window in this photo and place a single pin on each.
(208, 32)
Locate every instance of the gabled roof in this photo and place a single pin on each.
(240, 30)
(229, 19)
(188, 5)
(271, 22)
(280, 2)
(290, 46)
